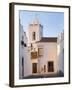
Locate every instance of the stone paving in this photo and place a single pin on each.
(60, 74)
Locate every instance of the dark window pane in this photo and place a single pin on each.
(34, 36)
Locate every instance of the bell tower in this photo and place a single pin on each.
(35, 33)
(35, 30)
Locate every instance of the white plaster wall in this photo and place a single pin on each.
(27, 63)
(61, 57)
(60, 52)
(50, 54)
(21, 50)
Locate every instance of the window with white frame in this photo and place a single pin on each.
(40, 52)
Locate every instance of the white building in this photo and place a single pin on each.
(60, 52)
(24, 59)
(41, 55)
(43, 50)
(47, 55)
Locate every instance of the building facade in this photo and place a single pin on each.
(40, 55)
(24, 55)
(43, 50)
(60, 52)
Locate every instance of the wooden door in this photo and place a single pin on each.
(50, 66)
(34, 68)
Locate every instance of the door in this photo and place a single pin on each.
(22, 67)
(34, 68)
(44, 68)
(50, 66)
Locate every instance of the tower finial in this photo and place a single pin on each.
(36, 20)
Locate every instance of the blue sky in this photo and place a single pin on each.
(53, 22)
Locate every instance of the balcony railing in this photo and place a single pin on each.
(34, 55)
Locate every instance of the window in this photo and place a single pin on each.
(40, 52)
(34, 68)
(25, 45)
(31, 46)
(22, 42)
(50, 66)
(22, 67)
(34, 35)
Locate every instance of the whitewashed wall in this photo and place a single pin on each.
(38, 29)
(60, 52)
(21, 50)
(27, 63)
(50, 54)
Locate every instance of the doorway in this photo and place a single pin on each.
(22, 67)
(34, 68)
(50, 66)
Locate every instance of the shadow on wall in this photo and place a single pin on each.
(61, 62)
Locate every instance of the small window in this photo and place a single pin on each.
(34, 36)
(40, 52)
(25, 45)
(31, 45)
(22, 41)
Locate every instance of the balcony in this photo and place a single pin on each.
(34, 55)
